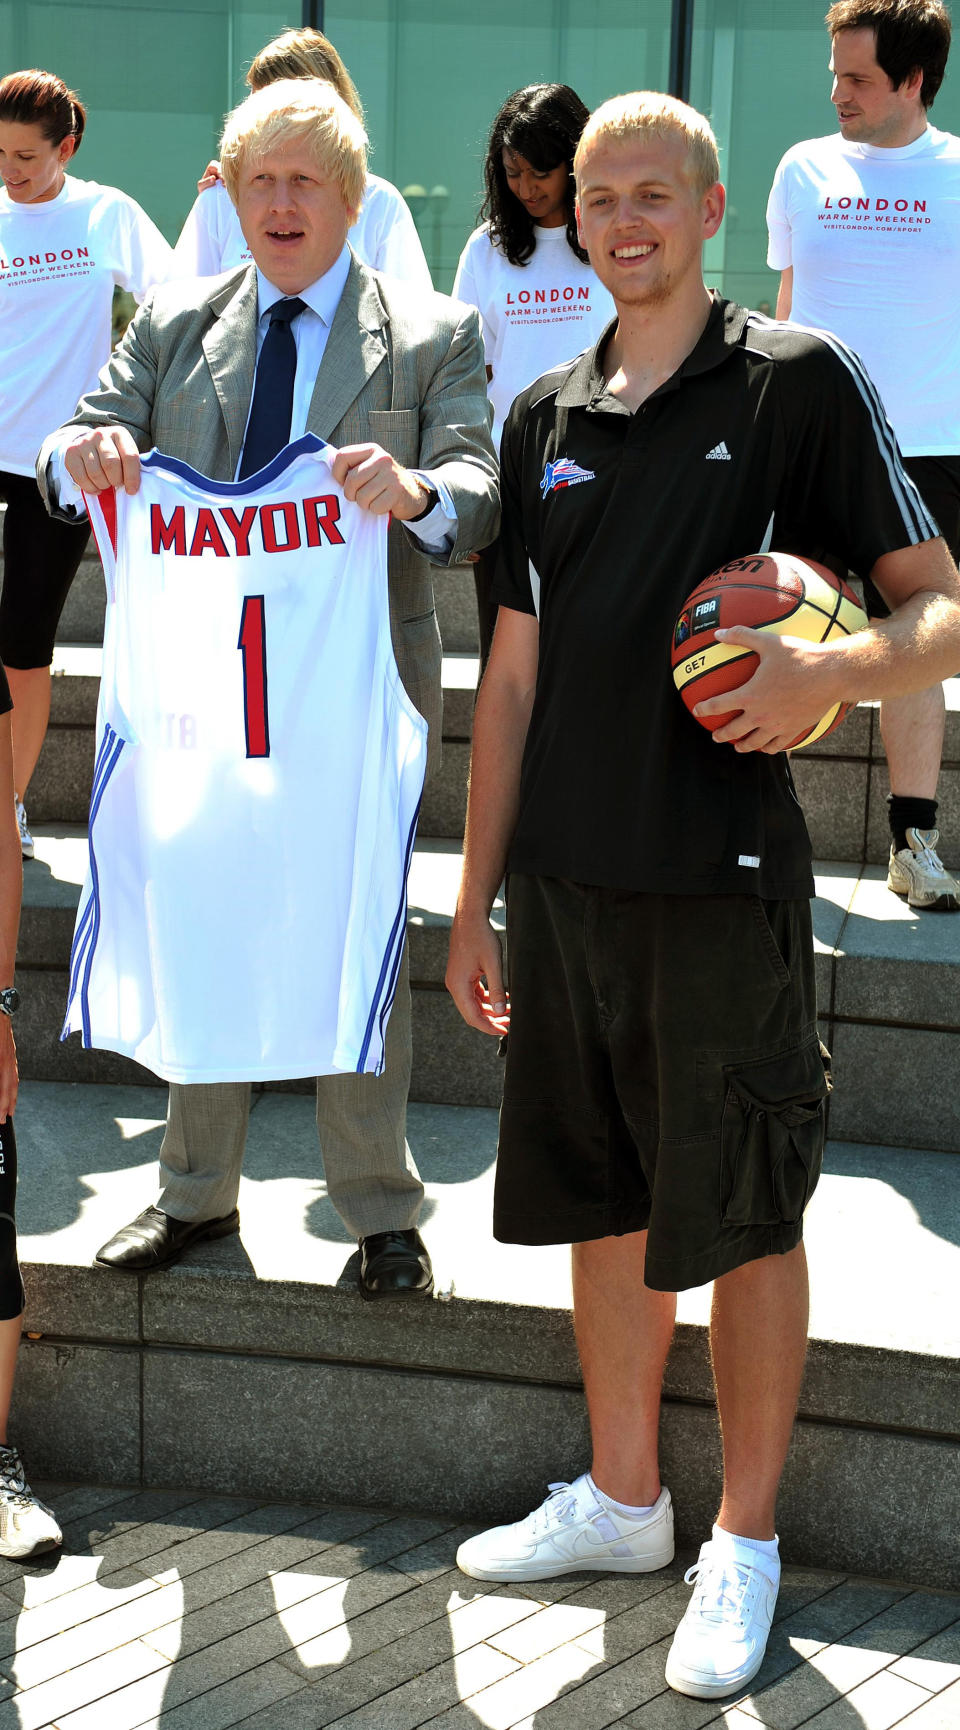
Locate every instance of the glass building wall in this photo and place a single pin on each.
(156, 78)
(433, 75)
(760, 71)
(158, 75)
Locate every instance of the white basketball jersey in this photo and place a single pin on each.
(257, 782)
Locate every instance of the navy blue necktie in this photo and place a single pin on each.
(268, 428)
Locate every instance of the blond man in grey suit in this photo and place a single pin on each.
(395, 379)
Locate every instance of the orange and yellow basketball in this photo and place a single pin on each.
(776, 592)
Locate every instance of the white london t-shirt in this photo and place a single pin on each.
(384, 235)
(873, 238)
(534, 315)
(59, 263)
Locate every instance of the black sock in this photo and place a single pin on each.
(906, 813)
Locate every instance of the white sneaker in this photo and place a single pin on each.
(918, 873)
(26, 839)
(27, 1527)
(572, 1532)
(720, 1643)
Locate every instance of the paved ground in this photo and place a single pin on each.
(178, 1613)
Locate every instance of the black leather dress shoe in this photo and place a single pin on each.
(395, 1264)
(155, 1239)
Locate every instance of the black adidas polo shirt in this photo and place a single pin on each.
(610, 518)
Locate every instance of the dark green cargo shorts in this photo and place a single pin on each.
(663, 1073)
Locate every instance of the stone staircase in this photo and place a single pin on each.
(254, 1363)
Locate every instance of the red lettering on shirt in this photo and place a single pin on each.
(167, 535)
(207, 536)
(321, 516)
(268, 528)
(240, 527)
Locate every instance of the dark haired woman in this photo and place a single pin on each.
(64, 244)
(524, 269)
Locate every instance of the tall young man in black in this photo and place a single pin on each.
(663, 1099)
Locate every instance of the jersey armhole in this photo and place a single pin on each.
(102, 511)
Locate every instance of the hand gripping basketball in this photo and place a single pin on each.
(775, 593)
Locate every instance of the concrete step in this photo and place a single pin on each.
(60, 788)
(76, 687)
(457, 609)
(287, 1374)
(888, 983)
(450, 1061)
(842, 783)
(82, 620)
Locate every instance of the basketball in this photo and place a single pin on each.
(775, 592)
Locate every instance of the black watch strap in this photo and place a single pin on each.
(433, 499)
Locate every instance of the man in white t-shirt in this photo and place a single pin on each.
(864, 227)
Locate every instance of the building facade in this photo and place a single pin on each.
(158, 75)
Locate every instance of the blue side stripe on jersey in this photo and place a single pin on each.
(391, 993)
(81, 934)
(308, 445)
(77, 954)
(391, 960)
(386, 1002)
(116, 753)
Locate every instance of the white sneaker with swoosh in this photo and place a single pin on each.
(721, 1641)
(572, 1532)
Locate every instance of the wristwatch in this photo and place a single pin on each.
(9, 1000)
(431, 499)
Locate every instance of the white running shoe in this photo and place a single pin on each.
(572, 1532)
(720, 1643)
(27, 1527)
(26, 839)
(918, 873)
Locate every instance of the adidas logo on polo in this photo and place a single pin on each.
(719, 454)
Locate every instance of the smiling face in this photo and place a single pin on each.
(642, 220)
(32, 167)
(293, 216)
(543, 196)
(870, 110)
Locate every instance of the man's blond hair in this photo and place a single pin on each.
(298, 111)
(647, 113)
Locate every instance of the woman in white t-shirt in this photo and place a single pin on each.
(539, 300)
(384, 235)
(64, 245)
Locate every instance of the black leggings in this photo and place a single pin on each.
(12, 1297)
(41, 557)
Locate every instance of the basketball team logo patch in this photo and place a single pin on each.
(563, 473)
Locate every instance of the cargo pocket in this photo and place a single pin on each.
(771, 1139)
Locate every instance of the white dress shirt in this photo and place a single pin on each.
(436, 532)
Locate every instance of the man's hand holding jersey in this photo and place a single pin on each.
(369, 475)
(372, 478)
(107, 456)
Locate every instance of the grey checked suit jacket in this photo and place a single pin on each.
(402, 368)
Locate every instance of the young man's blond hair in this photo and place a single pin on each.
(648, 113)
(302, 111)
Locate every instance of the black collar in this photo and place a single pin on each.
(585, 385)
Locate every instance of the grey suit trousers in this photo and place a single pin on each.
(371, 1176)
